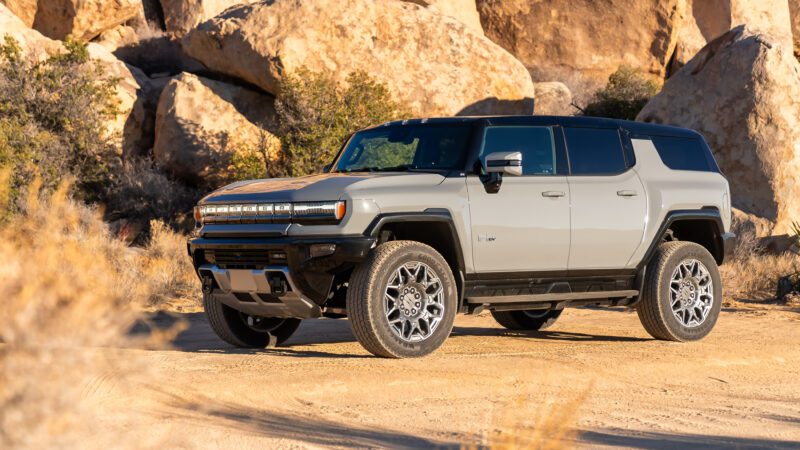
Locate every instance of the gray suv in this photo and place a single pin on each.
(416, 221)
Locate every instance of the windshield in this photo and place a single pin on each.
(421, 147)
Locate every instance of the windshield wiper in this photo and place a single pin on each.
(401, 168)
(358, 169)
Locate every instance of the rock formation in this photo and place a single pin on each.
(432, 64)
(742, 91)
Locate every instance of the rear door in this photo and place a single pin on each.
(525, 226)
(609, 207)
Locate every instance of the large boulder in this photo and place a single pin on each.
(201, 125)
(31, 42)
(431, 63)
(742, 91)
(464, 11)
(132, 129)
(82, 19)
(553, 99)
(582, 42)
(180, 16)
(24, 9)
(708, 19)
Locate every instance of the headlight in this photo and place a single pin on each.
(320, 210)
(302, 212)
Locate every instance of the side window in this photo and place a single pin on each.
(594, 151)
(535, 144)
(682, 153)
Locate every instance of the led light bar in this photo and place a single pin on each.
(300, 212)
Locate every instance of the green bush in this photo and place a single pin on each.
(623, 97)
(52, 120)
(316, 116)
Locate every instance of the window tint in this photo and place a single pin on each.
(535, 144)
(683, 153)
(594, 151)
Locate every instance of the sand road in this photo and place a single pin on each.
(740, 387)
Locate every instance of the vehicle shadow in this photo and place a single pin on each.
(544, 335)
(196, 336)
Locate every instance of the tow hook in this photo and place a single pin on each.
(208, 284)
(277, 285)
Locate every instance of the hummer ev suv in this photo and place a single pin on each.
(416, 221)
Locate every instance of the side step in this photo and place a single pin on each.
(553, 297)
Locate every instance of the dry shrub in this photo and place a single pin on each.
(551, 425)
(752, 273)
(68, 288)
(166, 270)
(145, 192)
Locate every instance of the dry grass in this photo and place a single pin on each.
(753, 273)
(165, 271)
(549, 425)
(69, 288)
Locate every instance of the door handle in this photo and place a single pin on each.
(627, 193)
(553, 194)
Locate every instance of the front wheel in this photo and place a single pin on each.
(533, 320)
(401, 301)
(247, 331)
(682, 293)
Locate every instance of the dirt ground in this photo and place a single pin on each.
(740, 387)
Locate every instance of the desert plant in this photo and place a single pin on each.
(144, 192)
(316, 115)
(165, 269)
(626, 93)
(69, 287)
(258, 161)
(52, 119)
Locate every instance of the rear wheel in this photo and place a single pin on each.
(244, 330)
(527, 320)
(401, 301)
(682, 293)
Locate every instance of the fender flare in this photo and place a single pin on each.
(708, 213)
(430, 216)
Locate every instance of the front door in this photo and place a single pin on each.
(525, 226)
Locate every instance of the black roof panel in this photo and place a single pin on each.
(573, 121)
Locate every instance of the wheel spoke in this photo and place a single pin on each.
(414, 301)
(691, 292)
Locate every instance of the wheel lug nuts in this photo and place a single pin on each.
(416, 296)
(413, 311)
(416, 304)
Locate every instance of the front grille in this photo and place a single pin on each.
(239, 259)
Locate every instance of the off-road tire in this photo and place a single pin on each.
(365, 297)
(520, 321)
(229, 326)
(654, 308)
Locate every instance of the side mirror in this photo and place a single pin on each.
(509, 163)
(498, 164)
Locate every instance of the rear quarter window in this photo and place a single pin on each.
(680, 153)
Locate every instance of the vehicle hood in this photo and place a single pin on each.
(322, 187)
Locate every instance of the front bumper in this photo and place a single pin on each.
(295, 286)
